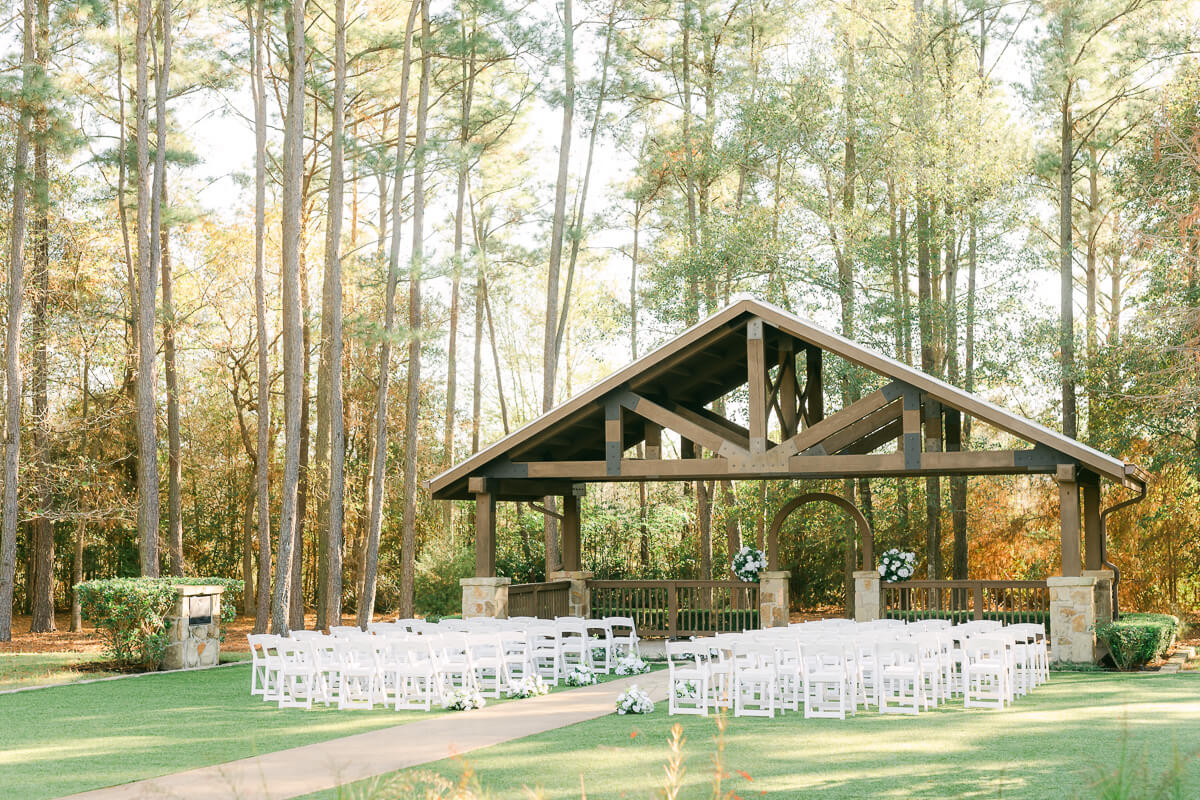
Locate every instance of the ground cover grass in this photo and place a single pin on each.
(25, 670)
(72, 738)
(1083, 735)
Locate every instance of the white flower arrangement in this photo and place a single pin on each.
(896, 565)
(529, 686)
(463, 700)
(580, 676)
(687, 690)
(631, 665)
(634, 701)
(748, 562)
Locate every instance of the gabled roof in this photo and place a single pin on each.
(709, 360)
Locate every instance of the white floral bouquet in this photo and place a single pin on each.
(580, 676)
(463, 699)
(748, 562)
(687, 690)
(634, 701)
(896, 565)
(630, 665)
(529, 686)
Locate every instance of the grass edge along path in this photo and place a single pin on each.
(82, 736)
(298, 771)
(1083, 735)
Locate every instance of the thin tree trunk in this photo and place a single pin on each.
(1065, 267)
(293, 345)
(80, 524)
(335, 511)
(147, 295)
(487, 307)
(366, 600)
(248, 591)
(296, 609)
(258, 19)
(12, 340)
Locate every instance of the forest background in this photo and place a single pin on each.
(272, 264)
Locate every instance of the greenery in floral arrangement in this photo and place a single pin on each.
(748, 563)
(634, 701)
(1136, 639)
(130, 614)
(897, 565)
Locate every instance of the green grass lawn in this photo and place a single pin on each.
(1071, 739)
(23, 670)
(71, 738)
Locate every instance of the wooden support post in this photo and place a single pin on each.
(787, 388)
(910, 442)
(614, 437)
(571, 533)
(756, 375)
(933, 425)
(653, 435)
(687, 448)
(485, 527)
(814, 391)
(1093, 547)
(1068, 501)
(953, 430)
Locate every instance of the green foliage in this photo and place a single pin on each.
(1137, 639)
(438, 569)
(131, 614)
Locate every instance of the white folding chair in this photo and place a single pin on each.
(624, 636)
(600, 644)
(414, 677)
(687, 678)
(824, 674)
(264, 665)
(753, 679)
(343, 631)
(986, 674)
(514, 647)
(901, 683)
(298, 681)
(544, 652)
(359, 673)
(573, 642)
(491, 669)
(455, 667)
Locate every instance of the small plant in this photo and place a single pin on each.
(581, 676)
(897, 565)
(529, 686)
(634, 701)
(1136, 639)
(748, 563)
(463, 699)
(631, 665)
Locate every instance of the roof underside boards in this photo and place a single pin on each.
(705, 363)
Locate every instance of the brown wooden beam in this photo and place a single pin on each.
(910, 441)
(720, 426)
(756, 376)
(873, 441)
(653, 436)
(702, 433)
(788, 395)
(1093, 547)
(485, 534)
(814, 434)
(864, 427)
(953, 429)
(1069, 518)
(571, 533)
(614, 436)
(814, 389)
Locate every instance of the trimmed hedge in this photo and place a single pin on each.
(1136, 639)
(131, 614)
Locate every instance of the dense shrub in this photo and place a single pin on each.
(1137, 639)
(131, 614)
(436, 589)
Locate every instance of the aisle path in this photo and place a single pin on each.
(314, 767)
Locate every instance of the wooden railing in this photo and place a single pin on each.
(1008, 601)
(678, 608)
(544, 600)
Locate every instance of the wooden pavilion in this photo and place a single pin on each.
(905, 424)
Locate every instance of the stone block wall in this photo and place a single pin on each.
(1072, 617)
(774, 605)
(868, 601)
(193, 644)
(580, 602)
(485, 597)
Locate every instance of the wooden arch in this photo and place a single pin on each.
(864, 529)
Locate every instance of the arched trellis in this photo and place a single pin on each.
(864, 529)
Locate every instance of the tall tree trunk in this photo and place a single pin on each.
(366, 600)
(262, 465)
(248, 591)
(296, 609)
(12, 339)
(293, 344)
(334, 515)
(557, 226)
(41, 528)
(80, 524)
(1093, 242)
(147, 296)
(1065, 266)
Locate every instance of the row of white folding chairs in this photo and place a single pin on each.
(832, 669)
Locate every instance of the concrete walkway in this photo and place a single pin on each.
(314, 767)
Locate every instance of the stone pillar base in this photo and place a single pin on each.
(774, 605)
(1072, 619)
(580, 602)
(485, 597)
(194, 628)
(1104, 602)
(868, 600)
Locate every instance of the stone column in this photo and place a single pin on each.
(193, 642)
(485, 597)
(774, 605)
(1072, 616)
(580, 602)
(868, 601)
(1103, 602)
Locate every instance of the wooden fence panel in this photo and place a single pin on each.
(543, 600)
(960, 601)
(678, 608)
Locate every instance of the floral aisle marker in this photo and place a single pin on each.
(631, 665)
(529, 686)
(897, 565)
(634, 701)
(463, 700)
(580, 676)
(748, 563)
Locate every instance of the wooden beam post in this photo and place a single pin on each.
(614, 438)
(933, 425)
(1068, 501)
(485, 527)
(814, 391)
(1093, 548)
(910, 441)
(787, 388)
(756, 375)
(953, 430)
(570, 533)
(653, 434)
